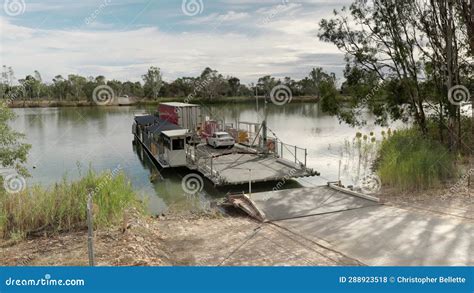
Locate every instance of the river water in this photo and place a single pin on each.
(66, 141)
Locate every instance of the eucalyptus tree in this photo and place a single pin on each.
(466, 8)
(379, 41)
(30, 86)
(267, 83)
(234, 86)
(59, 87)
(76, 84)
(445, 50)
(211, 84)
(153, 82)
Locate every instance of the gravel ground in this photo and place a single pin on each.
(457, 203)
(183, 240)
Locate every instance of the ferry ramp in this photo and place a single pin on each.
(372, 233)
(304, 202)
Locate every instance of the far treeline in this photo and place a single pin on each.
(210, 85)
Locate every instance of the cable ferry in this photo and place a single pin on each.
(178, 135)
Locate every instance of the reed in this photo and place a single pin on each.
(410, 161)
(63, 206)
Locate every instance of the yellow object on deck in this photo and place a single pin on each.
(243, 137)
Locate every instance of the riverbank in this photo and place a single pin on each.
(215, 239)
(86, 103)
(175, 240)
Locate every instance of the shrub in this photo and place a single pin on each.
(410, 161)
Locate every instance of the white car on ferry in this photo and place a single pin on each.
(220, 139)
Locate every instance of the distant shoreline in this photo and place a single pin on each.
(44, 103)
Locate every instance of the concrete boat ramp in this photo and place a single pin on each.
(363, 229)
(298, 203)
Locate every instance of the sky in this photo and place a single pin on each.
(121, 39)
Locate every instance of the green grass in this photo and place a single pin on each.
(409, 161)
(63, 207)
(466, 137)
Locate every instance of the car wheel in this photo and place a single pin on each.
(215, 145)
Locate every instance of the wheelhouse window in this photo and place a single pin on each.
(178, 144)
(166, 143)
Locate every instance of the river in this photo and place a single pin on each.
(67, 141)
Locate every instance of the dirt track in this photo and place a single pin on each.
(182, 241)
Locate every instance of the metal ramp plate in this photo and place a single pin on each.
(303, 202)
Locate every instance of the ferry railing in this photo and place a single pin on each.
(291, 152)
(203, 163)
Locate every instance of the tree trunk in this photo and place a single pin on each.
(471, 181)
(467, 10)
(446, 15)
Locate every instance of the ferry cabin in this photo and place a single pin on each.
(173, 153)
(163, 140)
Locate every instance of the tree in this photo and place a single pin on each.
(6, 81)
(116, 86)
(13, 152)
(153, 82)
(31, 86)
(267, 83)
(76, 85)
(245, 90)
(132, 89)
(328, 93)
(234, 86)
(211, 84)
(39, 84)
(467, 12)
(59, 87)
(181, 87)
(379, 38)
(100, 80)
(318, 78)
(445, 57)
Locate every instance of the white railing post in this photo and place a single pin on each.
(90, 230)
(250, 182)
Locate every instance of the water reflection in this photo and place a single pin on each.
(168, 186)
(101, 137)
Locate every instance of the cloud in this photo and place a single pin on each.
(275, 39)
(225, 18)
